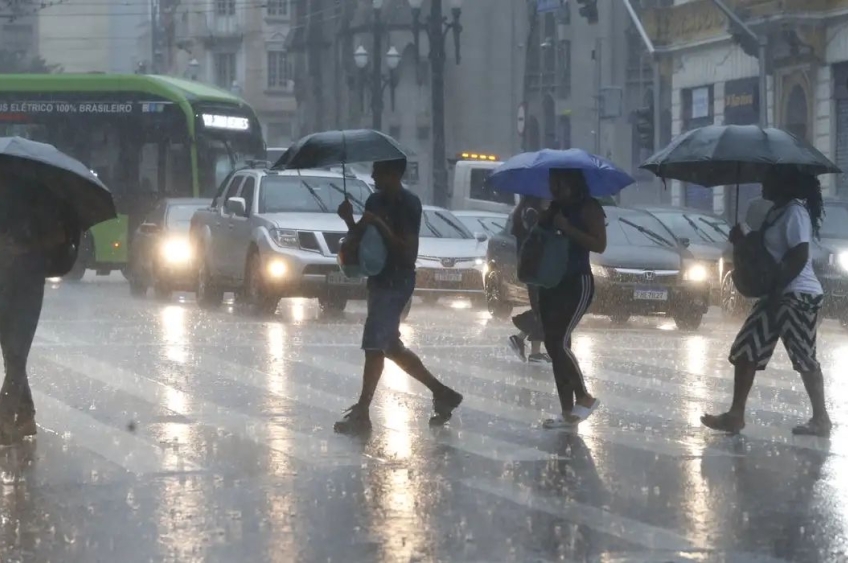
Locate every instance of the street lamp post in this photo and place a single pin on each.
(437, 27)
(193, 68)
(379, 81)
(377, 68)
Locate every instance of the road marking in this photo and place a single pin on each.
(327, 451)
(120, 447)
(632, 531)
(463, 440)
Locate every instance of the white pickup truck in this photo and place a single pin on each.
(273, 234)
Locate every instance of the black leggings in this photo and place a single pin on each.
(21, 297)
(561, 309)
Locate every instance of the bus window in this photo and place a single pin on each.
(178, 171)
(479, 190)
(148, 169)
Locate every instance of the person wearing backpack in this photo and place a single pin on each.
(788, 310)
(524, 218)
(579, 217)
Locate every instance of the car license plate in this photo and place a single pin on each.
(454, 277)
(651, 294)
(338, 278)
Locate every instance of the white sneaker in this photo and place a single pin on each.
(558, 422)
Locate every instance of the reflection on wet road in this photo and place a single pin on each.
(168, 433)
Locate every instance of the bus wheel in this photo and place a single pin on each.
(85, 256)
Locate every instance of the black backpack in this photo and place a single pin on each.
(755, 270)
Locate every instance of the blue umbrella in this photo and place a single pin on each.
(527, 173)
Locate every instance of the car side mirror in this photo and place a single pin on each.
(481, 237)
(149, 228)
(685, 242)
(236, 206)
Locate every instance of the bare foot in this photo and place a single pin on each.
(730, 423)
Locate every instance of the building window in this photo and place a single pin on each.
(564, 69)
(225, 7)
(278, 8)
(225, 70)
(278, 70)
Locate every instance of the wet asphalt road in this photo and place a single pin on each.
(172, 434)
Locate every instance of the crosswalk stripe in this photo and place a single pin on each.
(306, 448)
(630, 405)
(467, 441)
(633, 531)
(516, 413)
(120, 447)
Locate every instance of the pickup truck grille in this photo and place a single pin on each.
(308, 241)
(334, 241)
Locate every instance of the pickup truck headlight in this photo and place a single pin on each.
(285, 238)
(842, 261)
(697, 273)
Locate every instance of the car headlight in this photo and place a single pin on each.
(286, 238)
(696, 273)
(842, 261)
(176, 251)
(600, 271)
(479, 262)
(276, 269)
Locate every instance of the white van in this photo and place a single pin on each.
(470, 191)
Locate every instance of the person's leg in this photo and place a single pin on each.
(577, 300)
(799, 334)
(750, 352)
(555, 329)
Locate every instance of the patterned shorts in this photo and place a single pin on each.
(794, 321)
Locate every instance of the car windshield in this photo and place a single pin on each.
(696, 227)
(442, 224)
(488, 225)
(636, 229)
(310, 194)
(835, 222)
(180, 215)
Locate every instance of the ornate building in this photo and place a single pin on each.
(714, 76)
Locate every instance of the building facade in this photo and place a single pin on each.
(19, 31)
(238, 46)
(714, 79)
(587, 80)
(482, 93)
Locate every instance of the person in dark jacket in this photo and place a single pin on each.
(524, 218)
(30, 229)
(575, 214)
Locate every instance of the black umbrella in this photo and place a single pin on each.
(719, 155)
(331, 148)
(29, 163)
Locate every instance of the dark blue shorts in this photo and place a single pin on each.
(386, 302)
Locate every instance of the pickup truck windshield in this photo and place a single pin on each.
(309, 194)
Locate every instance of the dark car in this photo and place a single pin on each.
(161, 253)
(830, 262)
(704, 234)
(644, 271)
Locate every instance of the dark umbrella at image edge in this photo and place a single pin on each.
(719, 155)
(332, 148)
(32, 165)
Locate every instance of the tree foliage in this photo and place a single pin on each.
(17, 63)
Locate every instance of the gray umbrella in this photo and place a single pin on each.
(331, 148)
(719, 155)
(30, 164)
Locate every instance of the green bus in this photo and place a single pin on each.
(146, 137)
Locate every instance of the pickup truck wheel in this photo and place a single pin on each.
(332, 304)
(732, 303)
(138, 288)
(162, 291)
(257, 300)
(209, 296)
(620, 319)
(498, 307)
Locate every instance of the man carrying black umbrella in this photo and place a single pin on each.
(30, 230)
(396, 214)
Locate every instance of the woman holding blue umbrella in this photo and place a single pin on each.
(572, 179)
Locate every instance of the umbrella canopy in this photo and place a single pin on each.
(527, 173)
(719, 155)
(30, 163)
(331, 148)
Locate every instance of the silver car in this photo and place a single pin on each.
(273, 234)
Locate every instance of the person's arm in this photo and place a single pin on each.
(798, 238)
(594, 238)
(404, 241)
